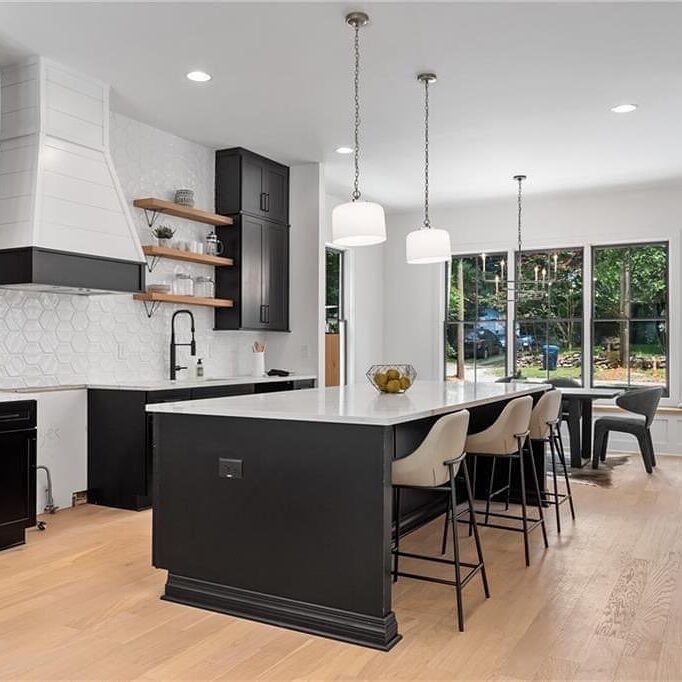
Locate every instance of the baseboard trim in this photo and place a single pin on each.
(354, 628)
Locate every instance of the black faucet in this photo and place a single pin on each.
(192, 344)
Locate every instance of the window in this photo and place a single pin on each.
(549, 316)
(476, 318)
(630, 315)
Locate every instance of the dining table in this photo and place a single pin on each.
(577, 412)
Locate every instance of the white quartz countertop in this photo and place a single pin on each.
(167, 385)
(355, 404)
(13, 397)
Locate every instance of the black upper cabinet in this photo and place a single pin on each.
(259, 281)
(254, 191)
(249, 183)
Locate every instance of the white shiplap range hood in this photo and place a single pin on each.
(64, 222)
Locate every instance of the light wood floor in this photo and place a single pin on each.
(80, 601)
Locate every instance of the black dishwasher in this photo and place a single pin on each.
(17, 471)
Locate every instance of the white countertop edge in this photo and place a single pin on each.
(162, 385)
(168, 385)
(216, 407)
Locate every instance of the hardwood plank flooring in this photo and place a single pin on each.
(81, 601)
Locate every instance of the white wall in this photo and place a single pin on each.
(364, 284)
(299, 349)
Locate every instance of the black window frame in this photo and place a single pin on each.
(476, 322)
(628, 319)
(550, 320)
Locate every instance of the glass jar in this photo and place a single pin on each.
(183, 285)
(204, 287)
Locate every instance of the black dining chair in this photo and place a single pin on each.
(640, 401)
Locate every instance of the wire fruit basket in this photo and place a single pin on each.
(394, 378)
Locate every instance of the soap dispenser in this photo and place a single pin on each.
(200, 369)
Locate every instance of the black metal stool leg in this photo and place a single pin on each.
(524, 512)
(474, 489)
(491, 483)
(396, 515)
(555, 500)
(444, 544)
(537, 491)
(562, 459)
(509, 477)
(479, 551)
(455, 540)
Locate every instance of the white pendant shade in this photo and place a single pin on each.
(428, 245)
(358, 223)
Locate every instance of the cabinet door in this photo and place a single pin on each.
(252, 300)
(17, 479)
(253, 192)
(276, 276)
(276, 188)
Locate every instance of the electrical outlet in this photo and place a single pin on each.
(229, 468)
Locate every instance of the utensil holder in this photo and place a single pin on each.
(258, 364)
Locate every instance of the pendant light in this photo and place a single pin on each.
(426, 244)
(357, 223)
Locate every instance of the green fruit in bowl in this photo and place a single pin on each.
(405, 383)
(380, 379)
(393, 374)
(393, 386)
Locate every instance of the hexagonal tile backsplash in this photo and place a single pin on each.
(53, 339)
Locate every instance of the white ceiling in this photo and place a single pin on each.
(522, 87)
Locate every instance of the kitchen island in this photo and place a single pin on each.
(277, 507)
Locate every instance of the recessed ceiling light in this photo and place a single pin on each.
(344, 150)
(199, 76)
(623, 108)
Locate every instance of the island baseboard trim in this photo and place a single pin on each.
(355, 628)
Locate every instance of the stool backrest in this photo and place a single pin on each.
(514, 419)
(547, 409)
(642, 401)
(445, 441)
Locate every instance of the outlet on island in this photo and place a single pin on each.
(229, 468)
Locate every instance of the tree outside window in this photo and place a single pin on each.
(476, 318)
(549, 315)
(630, 315)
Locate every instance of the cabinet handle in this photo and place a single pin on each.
(262, 201)
(267, 203)
(262, 314)
(267, 314)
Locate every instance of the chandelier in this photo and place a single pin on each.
(520, 288)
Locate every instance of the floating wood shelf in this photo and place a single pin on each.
(157, 252)
(153, 299)
(156, 206)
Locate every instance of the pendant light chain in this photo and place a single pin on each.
(520, 181)
(427, 221)
(356, 92)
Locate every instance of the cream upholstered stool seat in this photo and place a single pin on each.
(506, 438)
(545, 422)
(434, 466)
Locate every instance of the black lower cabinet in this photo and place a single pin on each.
(121, 441)
(17, 471)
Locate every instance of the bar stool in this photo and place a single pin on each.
(545, 424)
(433, 466)
(506, 439)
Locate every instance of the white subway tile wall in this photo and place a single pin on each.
(54, 339)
